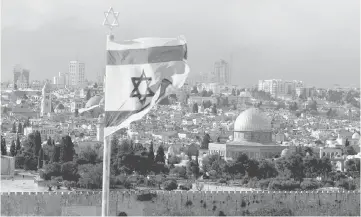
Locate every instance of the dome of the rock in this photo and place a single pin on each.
(252, 120)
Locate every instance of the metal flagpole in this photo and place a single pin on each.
(106, 178)
(107, 145)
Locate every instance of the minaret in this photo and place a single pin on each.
(46, 100)
(100, 128)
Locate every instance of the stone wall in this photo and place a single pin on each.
(179, 203)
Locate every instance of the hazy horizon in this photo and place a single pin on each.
(317, 42)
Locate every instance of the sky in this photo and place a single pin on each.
(316, 41)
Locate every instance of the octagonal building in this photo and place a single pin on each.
(252, 135)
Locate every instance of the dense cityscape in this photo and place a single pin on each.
(209, 135)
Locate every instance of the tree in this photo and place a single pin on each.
(87, 155)
(151, 153)
(194, 90)
(291, 167)
(214, 109)
(160, 157)
(56, 155)
(69, 171)
(20, 128)
(13, 148)
(349, 150)
(67, 149)
(233, 92)
(48, 142)
(195, 108)
(293, 106)
(267, 169)
(214, 163)
(206, 140)
(37, 143)
(18, 146)
(3, 146)
(204, 93)
(41, 158)
(88, 96)
(14, 128)
(52, 169)
(91, 176)
(192, 168)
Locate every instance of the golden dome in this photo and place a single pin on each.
(252, 120)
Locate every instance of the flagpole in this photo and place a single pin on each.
(106, 165)
(106, 177)
(107, 145)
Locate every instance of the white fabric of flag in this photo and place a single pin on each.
(140, 73)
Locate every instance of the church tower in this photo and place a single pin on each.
(46, 100)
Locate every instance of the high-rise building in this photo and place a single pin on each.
(76, 73)
(60, 80)
(278, 87)
(204, 77)
(222, 72)
(21, 76)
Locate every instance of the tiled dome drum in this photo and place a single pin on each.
(253, 126)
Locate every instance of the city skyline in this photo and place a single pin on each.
(264, 40)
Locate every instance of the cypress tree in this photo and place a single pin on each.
(18, 145)
(13, 148)
(67, 149)
(151, 153)
(40, 159)
(20, 128)
(37, 143)
(14, 128)
(160, 157)
(3, 146)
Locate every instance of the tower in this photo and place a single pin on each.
(46, 100)
(100, 128)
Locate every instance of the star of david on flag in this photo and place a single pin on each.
(139, 74)
(142, 95)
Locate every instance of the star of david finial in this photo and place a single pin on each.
(115, 19)
(136, 83)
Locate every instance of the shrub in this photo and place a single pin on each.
(263, 184)
(19, 162)
(287, 185)
(179, 171)
(186, 186)
(53, 169)
(346, 184)
(222, 180)
(146, 196)
(174, 160)
(170, 185)
(309, 185)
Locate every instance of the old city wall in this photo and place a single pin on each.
(178, 203)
